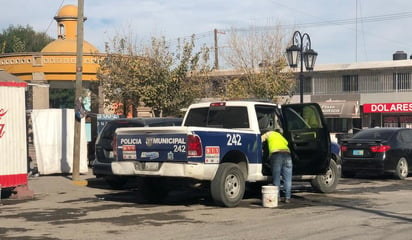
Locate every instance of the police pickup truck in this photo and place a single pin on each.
(219, 143)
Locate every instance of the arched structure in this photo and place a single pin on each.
(55, 66)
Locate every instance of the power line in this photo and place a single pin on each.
(51, 21)
(377, 18)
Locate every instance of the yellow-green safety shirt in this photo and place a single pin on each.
(276, 142)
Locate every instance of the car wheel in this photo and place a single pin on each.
(401, 171)
(116, 182)
(327, 182)
(228, 186)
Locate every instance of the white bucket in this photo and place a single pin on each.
(270, 196)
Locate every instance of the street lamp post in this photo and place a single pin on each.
(301, 51)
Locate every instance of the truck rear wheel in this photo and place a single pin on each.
(228, 186)
(327, 183)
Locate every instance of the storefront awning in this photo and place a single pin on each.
(339, 109)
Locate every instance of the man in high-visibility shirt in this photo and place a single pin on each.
(280, 161)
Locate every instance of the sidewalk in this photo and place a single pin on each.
(54, 187)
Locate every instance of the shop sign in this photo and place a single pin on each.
(387, 107)
(340, 109)
(331, 108)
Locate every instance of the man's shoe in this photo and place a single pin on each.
(287, 200)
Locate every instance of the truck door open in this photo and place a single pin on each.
(305, 129)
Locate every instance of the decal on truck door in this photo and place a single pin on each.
(212, 154)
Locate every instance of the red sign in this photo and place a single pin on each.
(387, 107)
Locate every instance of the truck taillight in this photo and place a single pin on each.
(114, 146)
(343, 148)
(194, 146)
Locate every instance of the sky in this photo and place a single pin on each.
(341, 31)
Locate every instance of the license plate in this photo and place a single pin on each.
(357, 152)
(151, 166)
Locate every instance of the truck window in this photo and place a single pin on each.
(307, 118)
(197, 117)
(295, 120)
(266, 116)
(311, 117)
(220, 117)
(228, 117)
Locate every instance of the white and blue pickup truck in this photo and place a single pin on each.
(219, 143)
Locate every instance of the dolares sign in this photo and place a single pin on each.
(387, 107)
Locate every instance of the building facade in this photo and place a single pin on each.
(55, 66)
(359, 95)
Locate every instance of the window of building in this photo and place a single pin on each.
(62, 34)
(350, 83)
(37, 61)
(401, 81)
(307, 85)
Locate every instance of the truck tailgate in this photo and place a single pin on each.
(157, 144)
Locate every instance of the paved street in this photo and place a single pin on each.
(362, 208)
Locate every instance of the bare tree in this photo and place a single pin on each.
(258, 56)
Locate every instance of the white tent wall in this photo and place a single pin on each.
(53, 137)
(13, 144)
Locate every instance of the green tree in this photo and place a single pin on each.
(174, 79)
(118, 76)
(61, 98)
(158, 77)
(258, 56)
(22, 39)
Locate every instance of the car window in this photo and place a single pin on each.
(111, 127)
(374, 134)
(166, 123)
(405, 136)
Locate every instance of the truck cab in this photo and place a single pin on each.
(302, 125)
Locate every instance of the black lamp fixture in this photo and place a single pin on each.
(301, 51)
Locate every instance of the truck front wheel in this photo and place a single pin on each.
(327, 183)
(228, 186)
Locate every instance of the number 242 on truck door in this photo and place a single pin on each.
(234, 139)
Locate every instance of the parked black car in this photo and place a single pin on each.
(378, 151)
(103, 148)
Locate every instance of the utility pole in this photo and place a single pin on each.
(79, 87)
(217, 48)
(216, 51)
